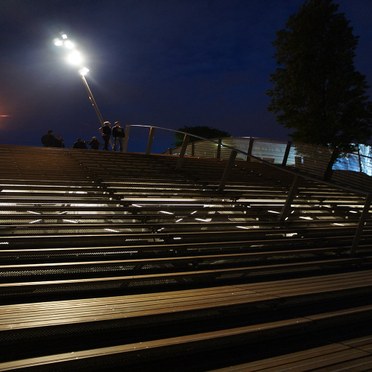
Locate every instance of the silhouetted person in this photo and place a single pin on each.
(94, 143)
(106, 134)
(59, 142)
(79, 144)
(118, 136)
(49, 139)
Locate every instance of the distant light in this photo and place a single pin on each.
(74, 58)
(83, 71)
(69, 44)
(58, 42)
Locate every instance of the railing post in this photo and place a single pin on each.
(250, 148)
(227, 169)
(359, 161)
(291, 194)
(328, 171)
(185, 142)
(286, 153)
(150, 140)
(192, 148)
(126, 138)
(362, 221)
(218, 154)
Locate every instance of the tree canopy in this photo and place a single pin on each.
(200, 131)
(317, 91)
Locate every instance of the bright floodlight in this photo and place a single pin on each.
(74, 58)
(58, 42)
(83, 71)
(69, 44)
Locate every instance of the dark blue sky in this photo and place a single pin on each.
(168, 63)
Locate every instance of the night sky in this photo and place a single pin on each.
(169, 63)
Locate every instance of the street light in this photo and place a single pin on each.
(74, 57)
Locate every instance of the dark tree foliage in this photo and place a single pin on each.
(316, 90)
(200, 131)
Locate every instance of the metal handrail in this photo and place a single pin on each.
(219, 142)
(248, 154)
(127, 128)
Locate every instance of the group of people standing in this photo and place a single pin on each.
(49, 139)
(113, 138)
(117, 134)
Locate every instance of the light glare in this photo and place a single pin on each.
(83, 71)
(75, 58)
(69, 44)
(58, 42)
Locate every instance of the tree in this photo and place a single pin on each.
(200, 131)
(316, 90)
